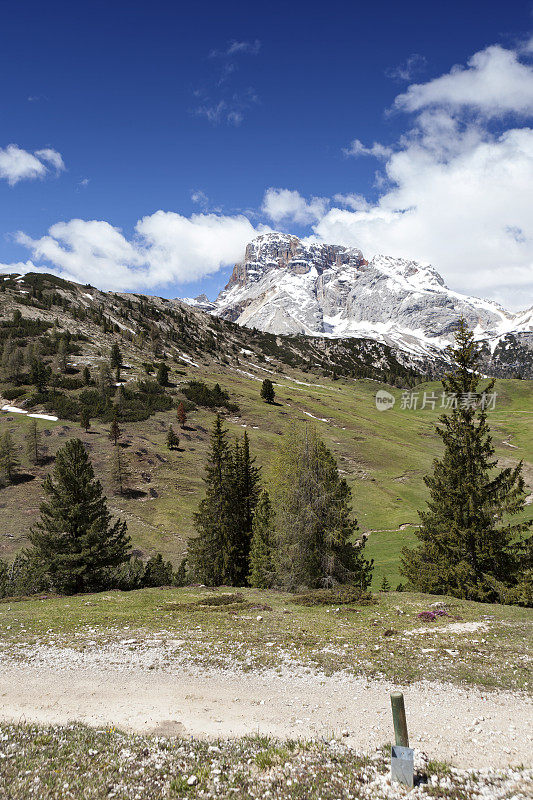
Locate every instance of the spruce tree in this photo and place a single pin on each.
(261, 551)
(86, 376)
(120, 471)
(173, 440)
(163, 371)
(220, 552)
(385, 585)
(468, 547)
(157, 572)
(85, 418)
(115, 431)
(75, 542)
(267, 391)
(209, 553)
(115, 360)
(8, 458)
(33, 442)
(315, 527)
(181, 415)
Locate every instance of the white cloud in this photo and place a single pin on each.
(285, 205)
(357, 148)
(166, 248)
(236, 47)
(494, 83)
(17, 164)
(408, 68)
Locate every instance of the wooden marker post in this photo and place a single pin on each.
(399, 719)
(402, 756)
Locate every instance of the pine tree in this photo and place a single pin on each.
(115, 360)
(163, 371)
(85, 418)
(267, 391)
(8, 458)
(158, 572)
(220, 552)
(75, 542)
(261, 551)
(468, 548)
(173, 440)
(105, 381)
(33, 442)
(115, 431)
(209, 553)
(314, 522)
(120, 471)
(385, 585)
(181, 415)
(86, 375)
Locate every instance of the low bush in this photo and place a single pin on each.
(340, 595)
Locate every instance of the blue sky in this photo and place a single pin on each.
(150, 141)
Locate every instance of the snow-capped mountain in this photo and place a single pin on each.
(286, 286)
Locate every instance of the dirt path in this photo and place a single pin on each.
(471, 728)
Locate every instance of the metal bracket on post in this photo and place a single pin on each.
(402, 756)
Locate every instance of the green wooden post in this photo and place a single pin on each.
(398, 717)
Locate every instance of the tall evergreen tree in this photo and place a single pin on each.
(267, 391)
(8, 458)
(115, 431)
(313, 515)
(85, 418)
(115, 360)
(33, 442)
(163, 371)
(262, 570)
(468, 547)
(120, 471)
(173, 440)
(220, 552)
(75, 541)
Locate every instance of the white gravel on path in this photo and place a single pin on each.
(140, 689)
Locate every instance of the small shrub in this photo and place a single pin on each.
(340, 595)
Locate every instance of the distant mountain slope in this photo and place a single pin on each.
(285, 286)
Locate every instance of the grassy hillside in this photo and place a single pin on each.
(383, 454)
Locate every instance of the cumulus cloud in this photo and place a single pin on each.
(285, 205)
(495, 82)
(455, 190)
(166, 248)
(17, 164)
(357, 148)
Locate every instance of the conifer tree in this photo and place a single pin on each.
(75, 542)
(220, 552)
(468, 547)
(385, 585)
(163, 371)
(267, 391)
(115, 431)
(120, 471)
(173, 440)
(209, 553)
(115, 360)
(105, 381)
(158, 572)
(181, 415)
(261, 550)
(8, 458)
(86, 375)
(85, 418)
(313, 514)
(33, 442)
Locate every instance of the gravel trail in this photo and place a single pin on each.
(113, 686)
